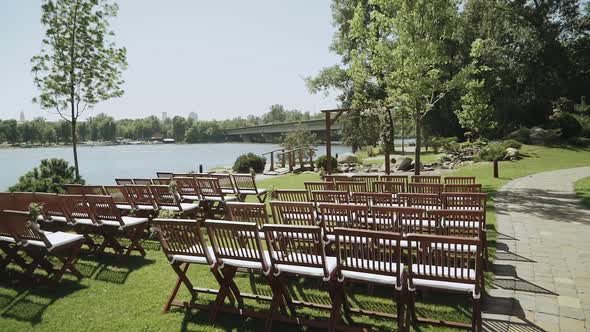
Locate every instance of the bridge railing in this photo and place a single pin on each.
(290, 155)
(272, 158)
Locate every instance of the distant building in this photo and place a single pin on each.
(193, 116)
(22, 116)
(164, 116)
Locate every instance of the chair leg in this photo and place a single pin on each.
(175, 289)
(476, 321)
(336, 295)
(135, 237)
(229, 273)
(68, 264)
(274, 306)
(227, 286)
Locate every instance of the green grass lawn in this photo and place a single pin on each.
(128, 293)
(583, 191)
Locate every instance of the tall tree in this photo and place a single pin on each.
(78, 66)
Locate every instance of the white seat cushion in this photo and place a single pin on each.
(191, 197)
(183, 206)
(219, 199)
(6, 239)
(57, 239)
(317, 272)
(194, 259)
(445, 285)
(84, 221)
(451, 247)
(256, 265)
(228, 191)
(59, 218)
(371, 277)
(252, 191)
(145, 207)
(124, 207)
(127, 222)
(249, 234)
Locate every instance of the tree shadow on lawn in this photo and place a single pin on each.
(31, 299)
(549, 205)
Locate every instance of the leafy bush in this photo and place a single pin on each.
(511, 143)
(322, 161)
(492, 152)
(50, 176)
(447, 143)
(569, 125)
(249, 161)
(580, 141)
(522, 135)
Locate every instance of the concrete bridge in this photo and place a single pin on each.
(270, 132)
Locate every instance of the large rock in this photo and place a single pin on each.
(404, 164)
(511, 154)
(348, 158)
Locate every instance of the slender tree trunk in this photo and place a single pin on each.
(75, 144)
(392, 130)
(403, 136)
(418, 143)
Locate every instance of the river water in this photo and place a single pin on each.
(102, 164)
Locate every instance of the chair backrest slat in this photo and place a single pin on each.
(164, 175)
(236, 240)
(181, 237)
(143, 182)
(330, 196)
(16, 224)
(52, 205)
(163, 196)
(119, 194)
(374, 199)
(426, 178)
(464, 201)
(389, 187)
(187, 186)
(425, 188)
(78, 189)
(104, 208)
(123, 182)
(354, 216)
(226, 181)
(293, 213)
(247, 212)
(459, 179)
(473, 187)
(290, 195)
(141, 195)
(209, 187)
(76, 207)
(351, 186)
(244, 182)
(318, 185)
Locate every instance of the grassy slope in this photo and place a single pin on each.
(128, 294)
(583, 191)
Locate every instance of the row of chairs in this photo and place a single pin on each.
(370, 179)
(448, 263)
(239, 185)
(97, 218)
(392, 187)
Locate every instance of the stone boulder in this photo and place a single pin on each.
(511, 154)
(348, 158)
(404, 164)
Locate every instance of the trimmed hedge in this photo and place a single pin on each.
(249, 161)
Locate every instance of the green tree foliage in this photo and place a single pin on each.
(50, 176)
(300, 138)
(78, 66)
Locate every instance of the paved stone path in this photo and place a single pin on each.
(542, 266)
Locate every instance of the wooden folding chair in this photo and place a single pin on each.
(445, 263)
(226, 183)
(465, 188)
(367, 179)
(459, 179)
(171, 201)
(332, 215)
(120, 196)
(329, 196)
(299, 250)
(426, 179)
(164, 175)
(143, 182)
(8, 228)
(464, 200)
(105, 213)
(188, 189)
(389, 187)
(423, 201)
(333, 178)
(142, 199)
(318, 185)
(425, 188)
(394, 178)
(237, 245)
(52, 209)
(246, 185)
(403, 220)
(373, 257)
(39, 245)
(293, 213)
(374, 199)
(290, 195)
(212, 198)
(123, 182)
(183, 244)
(351, 186)
(79, 189)
(162, 181)
(247, 212)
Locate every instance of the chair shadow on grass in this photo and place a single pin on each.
(32, 299)
(111, 268)
(521, 285)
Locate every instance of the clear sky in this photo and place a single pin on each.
(220, 59)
